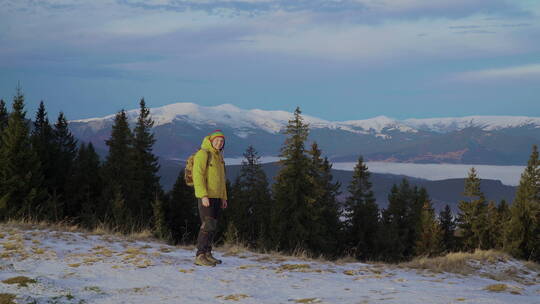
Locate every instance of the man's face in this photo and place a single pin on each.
(218, 142)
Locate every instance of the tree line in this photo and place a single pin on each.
(45, 174)
(301, 211)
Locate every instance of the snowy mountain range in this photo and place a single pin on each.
(179, 128)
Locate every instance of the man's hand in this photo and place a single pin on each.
(223, 203)
(205, 202)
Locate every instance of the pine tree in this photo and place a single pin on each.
(66, 152)
(252, 203)
(522, 234)
(238, 214)
(401, 221)
(42, 139)
(324, 211)
(494, 227)
(504, 212)
(394, 223)
(429, 241)
(472, 217)
(182, 212)
(86, 186)
(292, 190)
(20, 172)
(117, 172)
(4, 115)
(158, 219)
(145, 181)
(362, 214)
(225, 216)
(448, 228)
(121, 218)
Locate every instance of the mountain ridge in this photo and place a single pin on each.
(443, 124)
(179, 128)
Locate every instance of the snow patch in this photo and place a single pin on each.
(76, 267)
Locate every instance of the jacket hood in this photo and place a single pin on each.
(207, 145)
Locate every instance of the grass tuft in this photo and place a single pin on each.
(456, 262)
(496, 287)
(291, 267)
(233, 297)
(95, 289)
(7, 298)
(22, 281)
(11, 246)
(308, 300)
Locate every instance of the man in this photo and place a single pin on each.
(210, 190)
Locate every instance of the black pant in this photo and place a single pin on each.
(209, 216)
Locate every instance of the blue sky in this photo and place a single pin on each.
(336, 59)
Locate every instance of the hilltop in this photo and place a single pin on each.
(45, 264)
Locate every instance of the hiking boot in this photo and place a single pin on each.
(211, 258)
(201, 260)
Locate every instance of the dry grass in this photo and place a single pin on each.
(134, 234)
(7, 298)
(496, 287)
(456, 262)
(293, 267)
(248, 266)
(20, 280)
(95, 289)
(346, 260)
(35, 224)
(241, 250)
(233, 297)
(165, 249)
(144, 235)
(504, 288)
(135, 251)
(532, 266)
(307, 300)
(233, 249)
(186, 270)
(12, 246)
(38, 250)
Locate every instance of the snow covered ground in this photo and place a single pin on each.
(75, 267)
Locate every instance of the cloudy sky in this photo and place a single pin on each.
(336, 59)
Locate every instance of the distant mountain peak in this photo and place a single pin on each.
(378, 124)
(487, 123)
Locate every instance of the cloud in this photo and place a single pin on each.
(410, 41)
(476, 32)
(162, 35)
(523, 72)
(357, 11)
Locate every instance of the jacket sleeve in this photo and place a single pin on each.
(224, 194)
(199, 173)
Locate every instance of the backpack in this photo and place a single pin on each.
(188, 172)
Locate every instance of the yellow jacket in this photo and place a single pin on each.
(209, 180)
